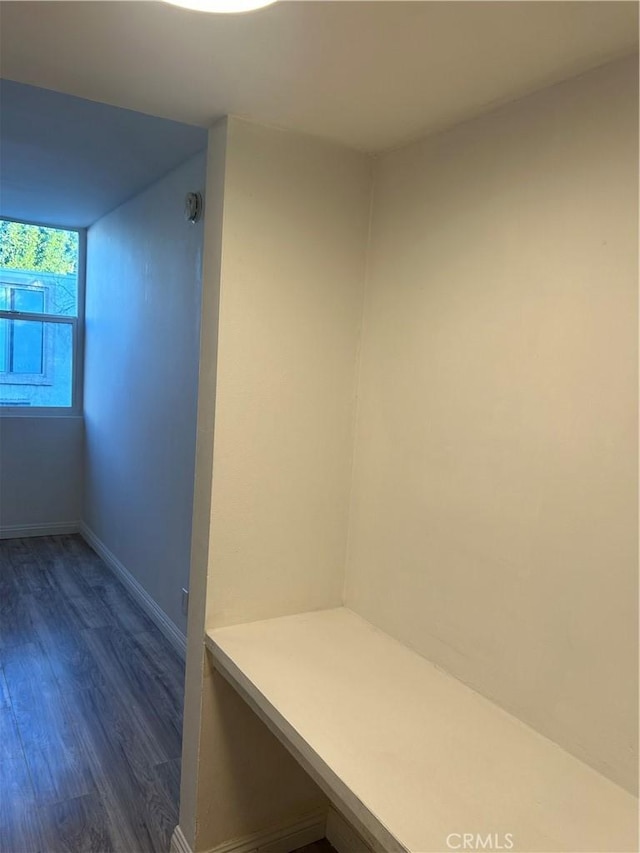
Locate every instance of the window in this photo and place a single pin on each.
(39, 311)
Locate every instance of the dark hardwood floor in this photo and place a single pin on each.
(90, 707)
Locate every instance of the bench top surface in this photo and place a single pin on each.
(414, 757)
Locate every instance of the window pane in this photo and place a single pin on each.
(4, 346)
(29, 301)
(25, 346)
(37, 363)
(39, 259)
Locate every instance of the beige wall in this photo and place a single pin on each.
(494, 511)
(285, 244)
(296, 216)
(195, 726)
(489, 517)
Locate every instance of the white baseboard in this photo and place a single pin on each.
(150, 607)
(56, 528)
(179, 842)
(283, 840)
(343, 836)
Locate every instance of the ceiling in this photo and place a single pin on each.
(371, 75)
(67, 161)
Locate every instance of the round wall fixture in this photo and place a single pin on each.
(192, 207)
(223, 7)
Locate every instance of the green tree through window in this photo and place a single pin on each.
(36, 248)
(38, 314)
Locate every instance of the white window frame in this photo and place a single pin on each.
(77, 331)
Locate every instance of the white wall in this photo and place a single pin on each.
(494, 515)
(141, 370)
(40, 474)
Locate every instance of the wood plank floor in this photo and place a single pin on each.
(90, 708)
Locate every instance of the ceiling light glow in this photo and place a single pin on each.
(224, 7)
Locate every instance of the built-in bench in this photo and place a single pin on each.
(412, 757)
